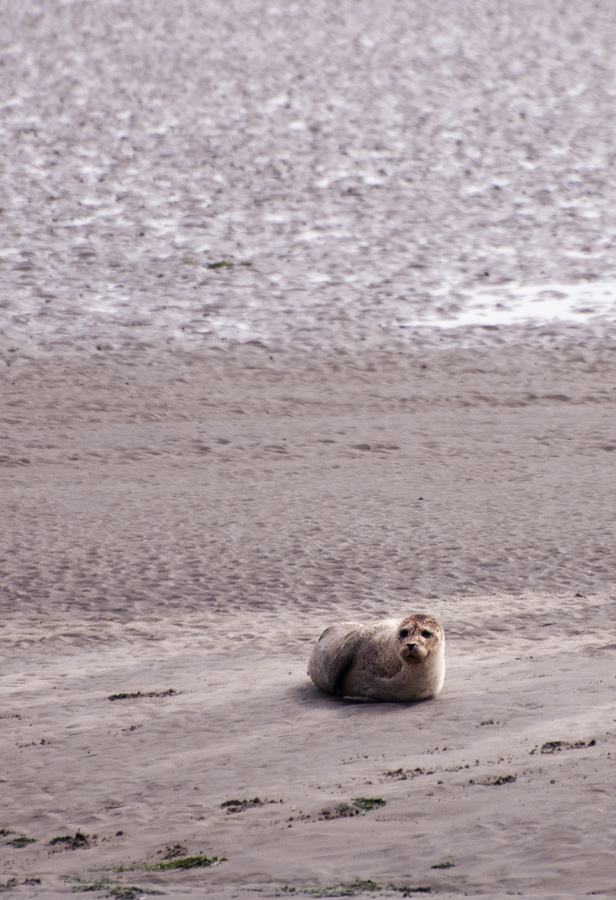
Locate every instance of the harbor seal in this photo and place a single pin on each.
(394, 659)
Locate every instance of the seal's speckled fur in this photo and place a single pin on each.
(389, 660)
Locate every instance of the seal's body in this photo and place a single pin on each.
(389, 660)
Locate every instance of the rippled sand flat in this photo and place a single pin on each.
(178, 531)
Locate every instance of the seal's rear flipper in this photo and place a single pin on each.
(331, 660)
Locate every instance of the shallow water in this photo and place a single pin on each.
(390, 172)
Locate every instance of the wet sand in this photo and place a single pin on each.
(379, 165)
(190, 523)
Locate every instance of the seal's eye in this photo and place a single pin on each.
(404, 633)
(426, 634)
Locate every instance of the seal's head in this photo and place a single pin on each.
(419, 637)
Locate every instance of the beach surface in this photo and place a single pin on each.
(179, 528)
(307, 313)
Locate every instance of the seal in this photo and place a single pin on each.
(394, 659)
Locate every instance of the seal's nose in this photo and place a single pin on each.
(411, 646)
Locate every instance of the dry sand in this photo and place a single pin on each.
(191, 523)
